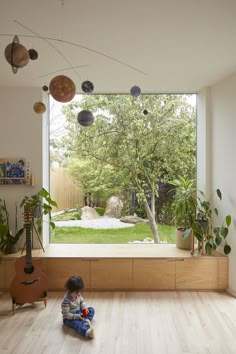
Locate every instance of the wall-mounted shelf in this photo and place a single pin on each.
(15, 172)
(17, 181)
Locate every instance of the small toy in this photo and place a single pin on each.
(85, 312)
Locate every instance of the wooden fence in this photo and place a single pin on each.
(64, 190)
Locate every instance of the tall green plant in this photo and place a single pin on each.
(39, 204)
(185, 203)
(7, 237)
(209, 235)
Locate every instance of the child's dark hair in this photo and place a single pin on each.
(74, 283)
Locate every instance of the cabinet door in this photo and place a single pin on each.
(153, 274)
(197, 273)
(111, 274)
(223, 273)
(58, 270)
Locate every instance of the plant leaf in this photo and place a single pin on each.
(218, 240)
(228, 220)
(219, 193)
(227, 249)
(216, 231)
(53, 225)
(208, 248)
(224, 231)
(187, 233)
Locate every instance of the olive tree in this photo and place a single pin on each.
(145, 141)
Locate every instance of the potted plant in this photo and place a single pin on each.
(39, 204)
(209, 235)
(8, 240)
(185, 204)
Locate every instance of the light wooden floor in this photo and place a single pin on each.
(126, 323)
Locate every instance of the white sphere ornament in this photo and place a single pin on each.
(85, 118)
(135, 91)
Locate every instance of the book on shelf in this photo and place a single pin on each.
(15, 171)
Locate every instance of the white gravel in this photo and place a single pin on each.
(101, 223)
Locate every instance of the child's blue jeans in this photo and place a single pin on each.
(81, 326)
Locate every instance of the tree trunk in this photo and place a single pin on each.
(152, 221)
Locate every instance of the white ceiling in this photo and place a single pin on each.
(164, 45)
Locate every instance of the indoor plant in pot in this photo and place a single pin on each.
(8, 240)
(38, 205)
(185, 203)
(208, 234)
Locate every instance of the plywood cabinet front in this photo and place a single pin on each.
(197, 273)
(223, 272)
(58, 270)
(153, 274)
(111, 274)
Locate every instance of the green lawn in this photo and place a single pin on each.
(137, 233)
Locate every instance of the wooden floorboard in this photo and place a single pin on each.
(125, 323)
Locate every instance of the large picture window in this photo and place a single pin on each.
(112, 171)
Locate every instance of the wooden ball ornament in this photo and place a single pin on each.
(45, 88)
(62, 88)
(39, 107)
(33, 54)
(85, 118)
(16, 55)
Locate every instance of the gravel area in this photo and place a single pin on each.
(101, 223)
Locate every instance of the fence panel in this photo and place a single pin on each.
(64, 190)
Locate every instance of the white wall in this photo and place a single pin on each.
(20, 137)
(203, 141)
(220, 104)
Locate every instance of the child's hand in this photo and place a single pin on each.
(85, 312)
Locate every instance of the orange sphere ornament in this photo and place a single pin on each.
(39, 107)
(62, 88)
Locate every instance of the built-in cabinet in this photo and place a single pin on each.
(153, 274)
(109, 274)
(59, 269)
(190, 273)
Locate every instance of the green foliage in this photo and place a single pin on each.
(102, 180)
(125, 149)
(145, 147)
(7, 238)
(166, 213)
(39, 204)
(2, 212)
(185, 203)
(100, 211)
(207, 233)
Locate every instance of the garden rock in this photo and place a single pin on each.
(134, 219)
(89, 213)
(113, 207)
